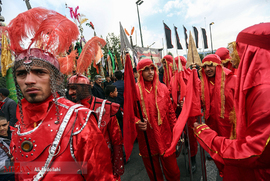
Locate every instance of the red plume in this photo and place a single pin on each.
(56, 33)
(88, 53)
(25, 25)
(67, 63)
(126, 32)
(132, 31)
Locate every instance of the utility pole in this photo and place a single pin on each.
(28, 4)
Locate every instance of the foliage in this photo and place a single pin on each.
(170, 53)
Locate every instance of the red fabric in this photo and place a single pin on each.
(177, 88)
(187, 71)
(1, 104)
(110, 130)
(248, 156)
(223, 126)
(142, 94)
(159, 136)
(191, 108)
(168, 71)
(206, 97)
(130, 103)
(169, 167)
(88, 146)
(33, 112)
(253, 70)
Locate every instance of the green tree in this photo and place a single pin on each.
(170, 53)
(114, 45)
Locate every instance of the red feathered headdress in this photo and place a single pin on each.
(49, 32)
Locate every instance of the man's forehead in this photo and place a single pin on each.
(3, 121)
(23, 67)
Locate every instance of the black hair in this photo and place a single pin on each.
(134, 70)
(107, 76)
(3, 118)
(4, 91)
(109, 89)
(118, 74)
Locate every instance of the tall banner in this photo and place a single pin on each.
(196, 36)
(168, 36)
(186, 37)
(11, 85)
(204, 38)
(149, 53)
(179, 46)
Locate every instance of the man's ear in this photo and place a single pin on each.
(110, 94)
(8, 123)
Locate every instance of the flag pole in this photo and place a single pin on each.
(147, 142)
(166, 40)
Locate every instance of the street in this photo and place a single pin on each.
(135, 171)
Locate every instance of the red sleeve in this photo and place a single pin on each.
(251, 151)
(115, 132)
(171, 114)
(91, 151)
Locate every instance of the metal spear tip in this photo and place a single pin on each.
(212, 23)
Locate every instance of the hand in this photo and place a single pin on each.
(142, 125)
(196, 124)
(182, 103)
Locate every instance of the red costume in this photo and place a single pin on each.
(158, 110)
(225, 57)
(54, 138)
(107, 121)
(217, 96)
(81, 153)
(248, 156)
(110, 129)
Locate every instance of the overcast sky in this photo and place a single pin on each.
(229, 17)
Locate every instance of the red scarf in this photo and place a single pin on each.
(33, 112)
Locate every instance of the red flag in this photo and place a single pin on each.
(191, 108)
(178, 82)
(130, 103)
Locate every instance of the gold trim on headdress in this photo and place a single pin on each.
(232, 118)
(210, 63)
(225, 61)
(222, 94)
(235, 59)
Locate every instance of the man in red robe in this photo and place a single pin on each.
(159, 119)
(217, 91)
(248, 156)
(79, 91)
(54, 138)
(225, 57)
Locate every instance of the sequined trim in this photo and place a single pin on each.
(55, 143)
(86, 121)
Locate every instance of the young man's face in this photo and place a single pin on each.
(108, 79)
(114, 94)
(148, 73)
(164, 63)
(210, 70)
(4, 127)
(35, 85)
(135, 74)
